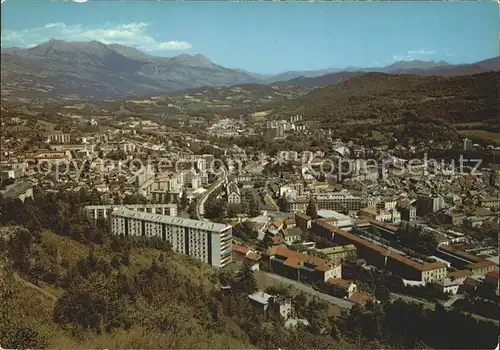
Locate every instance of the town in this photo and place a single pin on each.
(319, 218)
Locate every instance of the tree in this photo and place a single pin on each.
(265, 243)
(215, 209)
(253, 206)
(184, 202)
(246, 279)
(312, 210)
(382, 294)
(318, 316)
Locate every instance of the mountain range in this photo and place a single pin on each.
(70, 70)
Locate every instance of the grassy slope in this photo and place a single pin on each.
(38, 306)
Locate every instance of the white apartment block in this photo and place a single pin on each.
(102, 211)
(332, 201)
(61, 138)
(338, 202)
(206, 241)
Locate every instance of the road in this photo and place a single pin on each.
(429, 305)
(452, 300)
(345, 304)
(408, 299)
(201, 201)
(34, 287)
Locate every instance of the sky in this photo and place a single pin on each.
(268, 37)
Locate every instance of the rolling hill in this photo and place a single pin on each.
(395, 102)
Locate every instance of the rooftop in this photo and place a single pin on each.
(171, 220)
(260, 297)
(332, 214)
(338, 249)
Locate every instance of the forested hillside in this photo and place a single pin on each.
(427, 106)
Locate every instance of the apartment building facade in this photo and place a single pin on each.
(206, 241)
(60, 138)
(427, 203)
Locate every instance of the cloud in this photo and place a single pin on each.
(134, 34)
(411, 55)
(421, 52)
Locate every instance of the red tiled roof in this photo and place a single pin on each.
(460, 253)
(339, 282)
(361, 298)
(253, 256)
(470, 282)
(383, 224)
(480, 264)
(494, 275)
(294, 259)
(240, 249)
(278, 222)
(459, 274)
(277, 240)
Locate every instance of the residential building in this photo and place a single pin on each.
(453, 218)
(301, 267)
(233, 193)
(361, 298)
(292, 234)
(267, 302)
(303, 221)
(345, 288)
(59, 138)
(242, 253)
(207, 241)
(448, 285)
(408, 213)
(382, 215)
(276, 226)
(295, 205)
(481, 268)
(427, 203)
(14, 171)
(339, 202)
(489, 202)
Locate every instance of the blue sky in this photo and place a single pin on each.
(268, 37)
